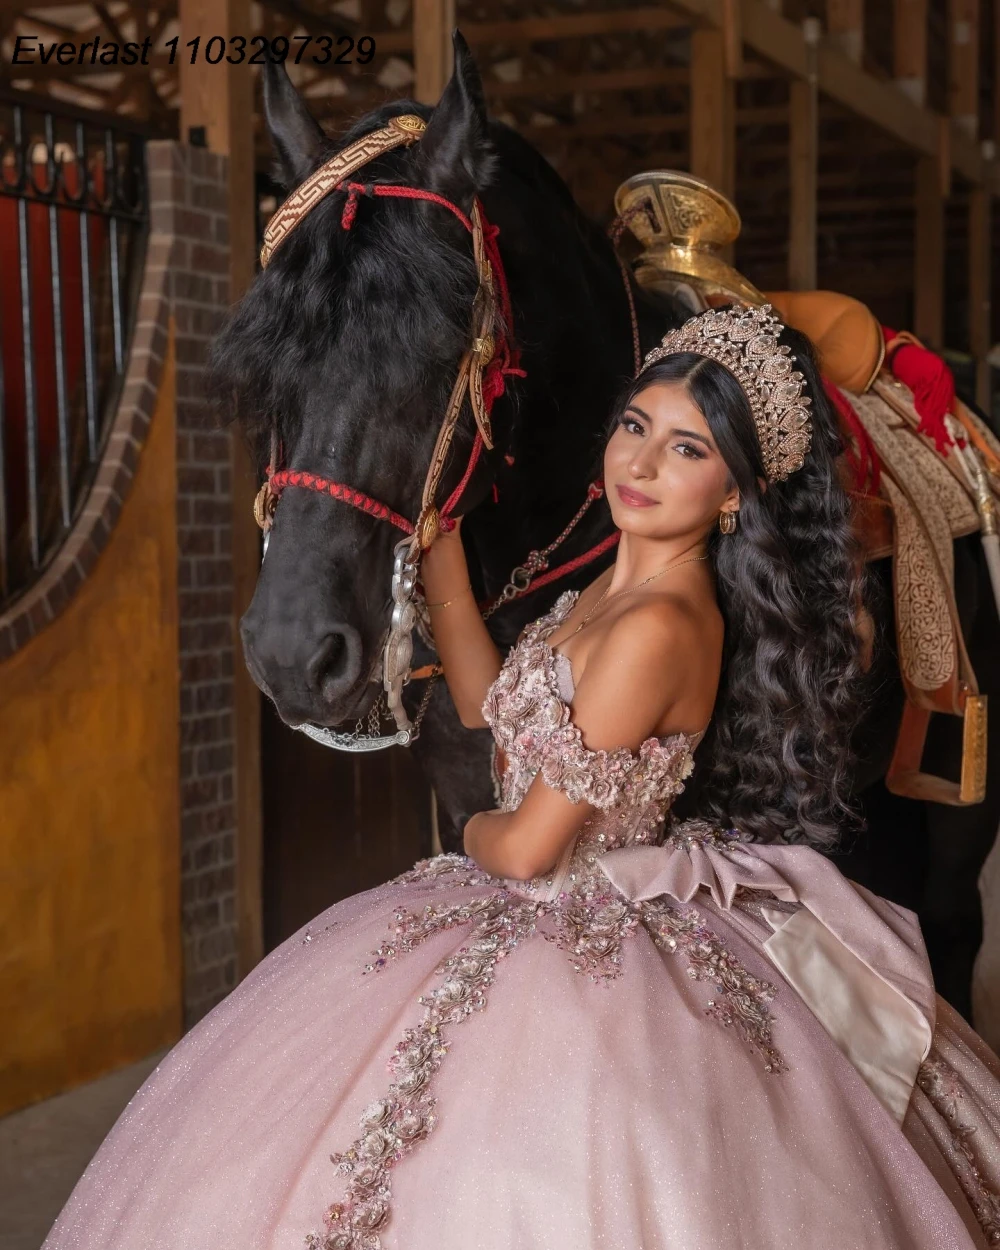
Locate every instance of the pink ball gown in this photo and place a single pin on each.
(693, 1042)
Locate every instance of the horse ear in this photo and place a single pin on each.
(455, 156)
(295, 133)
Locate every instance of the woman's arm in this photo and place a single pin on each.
(631, 681)
(467, 653)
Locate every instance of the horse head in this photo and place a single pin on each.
(342, 356)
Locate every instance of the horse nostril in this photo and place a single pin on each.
(334, 667)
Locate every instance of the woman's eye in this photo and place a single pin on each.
(631, 424)
(690, 451)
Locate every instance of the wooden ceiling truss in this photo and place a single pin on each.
(843, 129)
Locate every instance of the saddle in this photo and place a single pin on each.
(922, 500)
(916, 485)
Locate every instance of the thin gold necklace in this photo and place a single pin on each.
(630, 590)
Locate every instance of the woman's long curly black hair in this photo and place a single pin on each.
(776, 763)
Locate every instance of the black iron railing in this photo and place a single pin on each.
(73, 223)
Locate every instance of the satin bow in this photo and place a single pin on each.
(857, 960)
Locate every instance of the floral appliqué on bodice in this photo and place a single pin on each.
(575, 906)
(528, 710)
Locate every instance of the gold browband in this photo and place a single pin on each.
(399, 130)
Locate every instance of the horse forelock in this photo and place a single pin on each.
(380, 312)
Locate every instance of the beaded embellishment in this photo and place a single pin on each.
(394, 1125)
(944, 1090)
(532, 724)
(742, 1001)
(591, 924)
(587, 919)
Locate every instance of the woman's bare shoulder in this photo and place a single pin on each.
(668, 620)
(653, 671)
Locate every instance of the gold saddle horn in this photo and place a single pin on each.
(682, 232)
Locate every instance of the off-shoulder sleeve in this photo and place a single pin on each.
(607, 778)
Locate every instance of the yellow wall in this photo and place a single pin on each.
(90, 974)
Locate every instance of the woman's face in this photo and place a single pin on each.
(663, 473)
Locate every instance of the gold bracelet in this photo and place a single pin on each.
(444, 602)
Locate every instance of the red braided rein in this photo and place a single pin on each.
(577, 562)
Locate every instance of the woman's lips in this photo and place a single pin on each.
(634, 498)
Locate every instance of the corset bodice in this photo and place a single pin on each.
(528, 710)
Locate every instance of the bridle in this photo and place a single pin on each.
(482, 373)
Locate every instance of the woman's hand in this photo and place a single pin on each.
(468, 655)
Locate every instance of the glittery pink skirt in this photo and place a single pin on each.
(439, 1064)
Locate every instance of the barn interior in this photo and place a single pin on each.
(163, 828)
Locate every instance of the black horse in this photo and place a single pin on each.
(350, 341)
(346, 346)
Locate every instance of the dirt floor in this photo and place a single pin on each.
(44, 1149)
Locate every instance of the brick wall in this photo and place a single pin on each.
(189, 220)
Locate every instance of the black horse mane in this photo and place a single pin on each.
(393, 294)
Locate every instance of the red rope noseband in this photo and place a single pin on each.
(337, 490)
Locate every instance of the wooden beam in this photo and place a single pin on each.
(433, 21)
(732, 37)
(845, 20)
(143, 93)
(311, 22)
(550, 85)
(980, 289)
(220, 100)
(643, 20)
(877, 102)
(803, 163)
(928, 277)
(20, 23)
(114, 31)
(909, 48)
(996, 83)
(963, 65)
(944, 156)
(779, 41)
(712, 112)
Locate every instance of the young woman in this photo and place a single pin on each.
(585, 1033)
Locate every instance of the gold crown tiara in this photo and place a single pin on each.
(746, 343)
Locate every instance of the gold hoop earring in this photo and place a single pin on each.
(727, 520)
